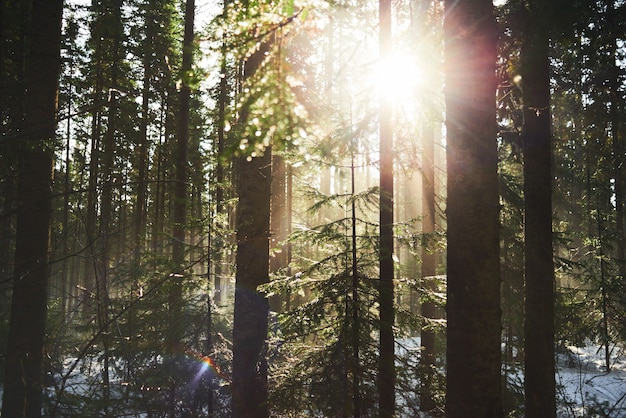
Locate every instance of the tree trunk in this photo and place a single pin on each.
(65, 263)
(386, 368)
(23, 383)
(92, 199)
(289, 221)
(103, 256)
(539, 268)
(13, 29)
(7, 228)
(473, 263)
(278, 224)
(105, 239)
(429, 265)
(159, 194)
(249, 385)
(615, 115)
(222, 103)
(141, 162)
(251, 308)
(355, 366)
(176, 325)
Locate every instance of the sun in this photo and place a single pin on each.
(403, 77)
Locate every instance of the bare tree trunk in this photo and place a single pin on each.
(103, 257)
(159, 195)
(140, 219)
(23, 382)
(251, 308)
(615, 115)
(411, 184)
(141, 163)
(539, 324)
(288, 248)
(473, 258)
(355, 340)
(176, 325)
(220, 177)
(13, 31)
(92, 199)
(386, 369)
(429, 264)
(278, 223)
(7, 227)
(65, 280)
(250, 326)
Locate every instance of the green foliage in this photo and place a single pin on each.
(274, 114)
(313, 366)
(574, 322)
(268, 110)
(143, 376)
(315, 371)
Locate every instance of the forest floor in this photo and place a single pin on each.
(584, 387)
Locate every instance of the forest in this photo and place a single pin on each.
(312, 208)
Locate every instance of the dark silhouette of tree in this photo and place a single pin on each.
(221, 165)
(616, 108)
(13, 28)
(253, 180)
(23, 382)
(429, 266)
(538, 261)
(473, 286)
(104, 252)
(278, 224)
(176, 326)
(386, 368)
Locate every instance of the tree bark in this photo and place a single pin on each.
(103, 257)
(89, 270)
(23, 383)
(617, 141)
(13, 30)
(141, 162)
(222, 103)
(355, 364)
(249, 385)
(429, 265)
(473, 263)
(251, 308)
(386, 368)
(278, 224)
(539, 268)
(176, 326)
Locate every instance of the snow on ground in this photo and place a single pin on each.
(584, 387)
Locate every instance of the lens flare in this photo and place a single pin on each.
(207, 362)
